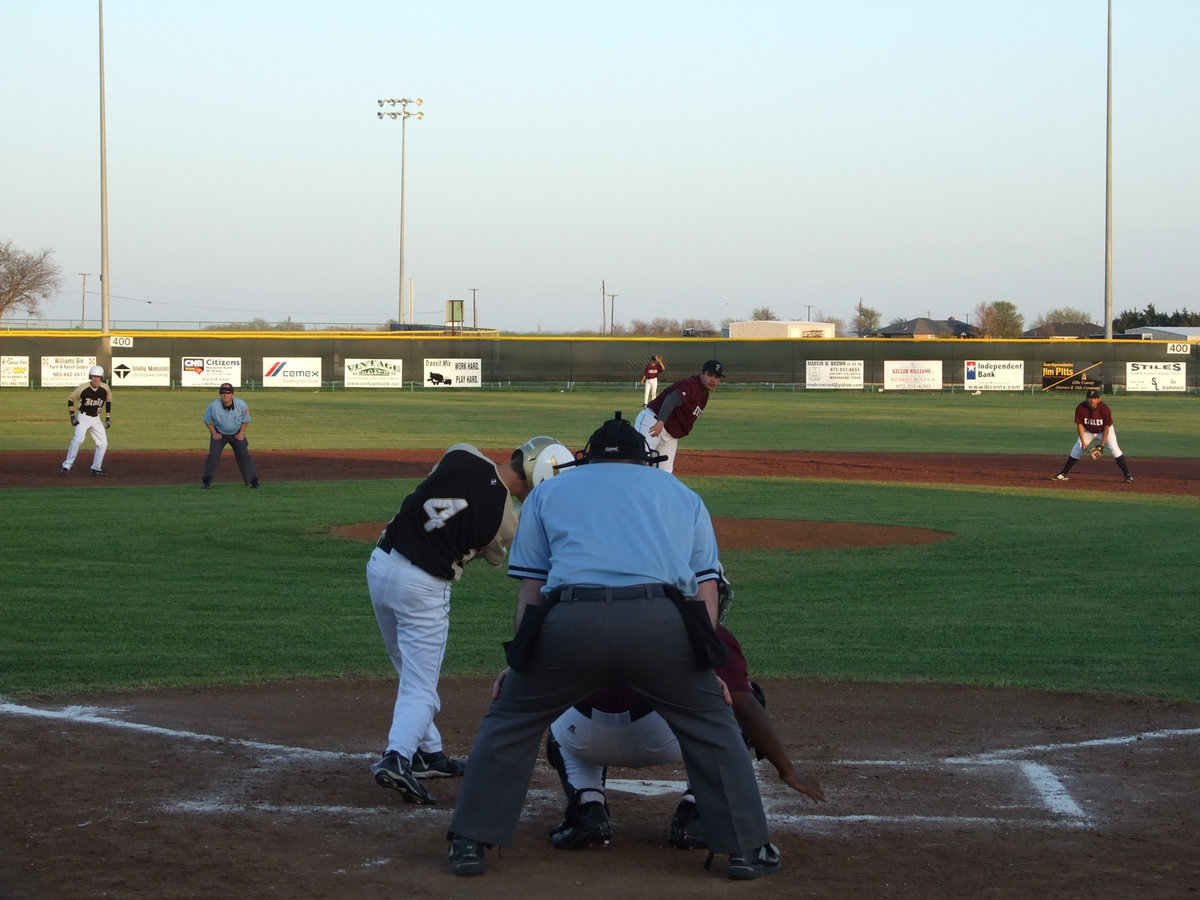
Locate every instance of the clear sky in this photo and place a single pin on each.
(701, 158)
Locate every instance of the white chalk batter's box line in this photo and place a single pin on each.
(1054, 807)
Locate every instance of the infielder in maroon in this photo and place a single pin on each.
(1094, 420)
(671, 415)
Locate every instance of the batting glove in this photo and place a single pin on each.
(107, 422)
(74, 421)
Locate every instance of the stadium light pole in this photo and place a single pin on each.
(103, 191)
(1108, 254)
(403, 115)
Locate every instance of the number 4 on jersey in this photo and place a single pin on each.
(441, 509)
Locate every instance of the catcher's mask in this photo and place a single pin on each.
(617, 441)
(724, 595)
(540, 458)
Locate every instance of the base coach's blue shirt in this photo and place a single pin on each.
(576, 530)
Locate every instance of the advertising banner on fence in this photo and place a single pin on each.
(912, 375)
(211, 371)
(994, 375)
(374, 373)
(838, 374)
(1156, 376)
(66, 371)
(141, 371)
(14, 371)
(293, 371)
(1069, 376)
(453, 373)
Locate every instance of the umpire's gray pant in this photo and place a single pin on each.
(583, 646)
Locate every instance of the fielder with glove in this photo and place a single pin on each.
(1095, 428)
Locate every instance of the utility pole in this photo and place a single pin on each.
(83, 301)
(474, 309)
(603, 305)
(613, 314)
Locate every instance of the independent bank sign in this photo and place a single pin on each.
(292, 371)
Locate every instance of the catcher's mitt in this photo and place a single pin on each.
(1096, 452)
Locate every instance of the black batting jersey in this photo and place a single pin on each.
(90, 399)
(453, 515)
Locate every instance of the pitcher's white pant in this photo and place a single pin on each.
(664, 443)
(412, 608)
(94, 426)
(611, 739)
(651, 390)
(1114, 449)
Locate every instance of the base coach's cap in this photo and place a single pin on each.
(1093, 393)
(714, 367)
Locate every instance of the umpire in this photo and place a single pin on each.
(612, 595)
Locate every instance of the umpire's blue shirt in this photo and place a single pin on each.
(229, 421)
(609, 524)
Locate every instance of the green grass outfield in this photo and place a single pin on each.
(108, 587)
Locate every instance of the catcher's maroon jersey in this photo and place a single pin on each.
(693, 398)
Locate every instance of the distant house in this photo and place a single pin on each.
(775, 328)
(928, 328)
(1167, 333)
(1065, 331)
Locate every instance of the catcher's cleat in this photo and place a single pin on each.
(1060, 477)
(687, 831)
(394, 771)
(466, 856)
(436, 765)
(750, 864)
(587, 825)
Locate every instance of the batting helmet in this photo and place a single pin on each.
(539, 456)
(96, 370)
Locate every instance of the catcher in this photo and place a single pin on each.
(1094, 423)
(616, 727)
(650, 374)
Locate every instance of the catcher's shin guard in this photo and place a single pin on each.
(585, 824)
(687, 831)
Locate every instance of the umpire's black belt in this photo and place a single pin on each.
(608, 594)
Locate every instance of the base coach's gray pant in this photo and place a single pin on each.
(583, 646)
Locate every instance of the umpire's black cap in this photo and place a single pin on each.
(618, 441)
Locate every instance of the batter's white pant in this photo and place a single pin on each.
(611, 739)
(1114, 449)
(651, 390)
(88, 425)
(412, 608)
(664, 443)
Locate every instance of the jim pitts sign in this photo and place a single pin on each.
(453, 373)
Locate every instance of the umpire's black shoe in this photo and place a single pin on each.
(254, 484)
(436, 765)
(466, 856)
(756, 863)
(394, 771)
(590, 825)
